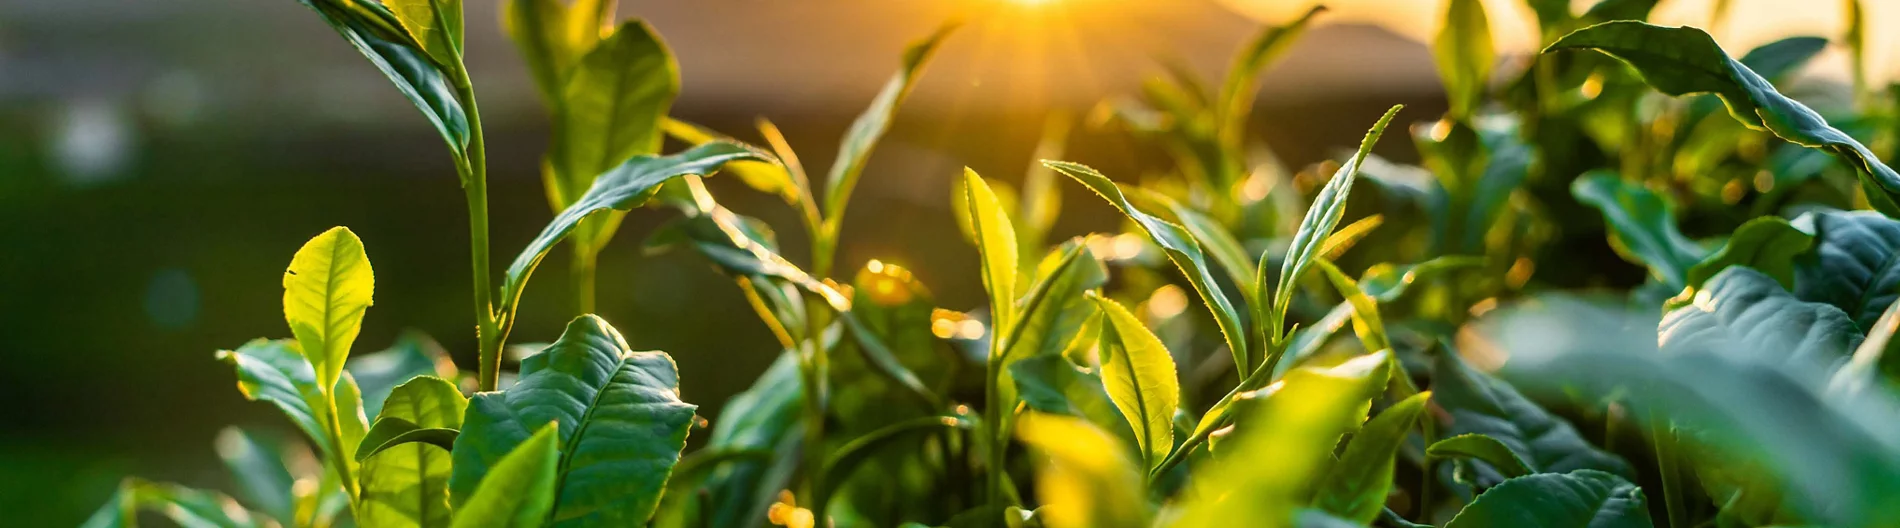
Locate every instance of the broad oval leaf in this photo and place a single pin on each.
(1356, 486)
(326, 290)
(611, 109)
(1181, 248)
(996, 244)
(621, 420)
(1579, 498)
(1855, 265)
(1767, 244)
(520, 489)
(1086, 480)
(1742, 312)
(1641, 224)
(1480, 447)
(1314, 229)
(1140, 378)
(1685, 60)
(420, 410)
(1478, 403)
(622, 188)
(436, 25)
(377, 33)
(405, 483)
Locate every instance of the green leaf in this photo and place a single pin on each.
(390, 432)
(996, 244)
(1241, 85)
(326, 289)
(623, 188)
(1314, 229)
(1481, 404)
(1607, 10)
(1482, 448)
(413, 354)
(1140, 378)
(1743, 312)
(274, 372)
(1052, 314)
(765, 416)
(1579, 498)
(1220, 244)
(435, 24)
(1356, 487)
(405, 481)
(1366, 322)
(1767, 244)
(1291, 428)
(621, 421)
(351, 424)
(424, 409)
(257, 464)
(1052, 384)
(1086, 479)
(376, 32)
(1641, 224)
(1388, 283)
(520, 489)
(1779, 59)
(766, 177)
(1181, 248)
(611, 110)
(1686, 60)
(846, 460)
(1855, 264)
(552, 36)
(190, 508)
(1464, 54)
(870, 126)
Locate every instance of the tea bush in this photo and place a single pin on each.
(1744, 382)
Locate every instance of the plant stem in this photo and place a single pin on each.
(993, 430)
(815, 366)
(586, 261)
(1662, 436)
(474, 169)
(339, 461)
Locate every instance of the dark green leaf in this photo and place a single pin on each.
(1686, 60)
(377, 33)
(1743, 312)
(1779, 59)
(520, 489)
(1483, 448)
(274, 372)
(1579, 498)
(1139, 375)
(1181, 248)
(847, 459)
(1481, 404)
(1356, 486)
(1855, 265)
(1054, 309)
(622, 188)
(765, 416)
(413, 354)
(1767, 244)
(621, 421)
(1641, 224)
(423, 409)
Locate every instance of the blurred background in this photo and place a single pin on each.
(160, 161)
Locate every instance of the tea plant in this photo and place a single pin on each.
(1085, 392)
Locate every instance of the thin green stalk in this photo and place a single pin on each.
(585, 262)
(815, 367)
(339, 461)
(992, 430)
(474, 172)
(1662, 436)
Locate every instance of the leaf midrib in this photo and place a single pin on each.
(580, 429)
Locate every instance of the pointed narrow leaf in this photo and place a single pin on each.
(377, 33)
(188, 507)
(390, 432)
(274, 372)
(1484, 448)
(1220, 244)
(1855, 265)
(1086, 479)
(435, 24)
(1641, 224)
(1356, 487)
(621, 421)
(996, 244)
(870, 126)
(1579, 498)
(1181, 248)
(1481, 404)
(1366, 322)
(1685, 60)
(1767, 244)
(1053, 309)
(1140, 377)
(622, 188)
(1464, 54)
(1238, 90)
(1315, 228)
(519, 492)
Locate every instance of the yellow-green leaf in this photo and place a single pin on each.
(1140, 377)
(435, 24)
(326, 289)
(996, 243)
(1357, 485)
(1085, 479)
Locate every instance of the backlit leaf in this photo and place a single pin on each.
(1483, 448)
(855, 150)
(435, 24)
(1085, 480)
(1464, 54)
(1140, 377)
(996, 244)
(611, 109)
(1767, 244)
(1356, 487)
(326, 290)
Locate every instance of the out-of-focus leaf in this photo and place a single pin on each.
(326, 290)
(870, 126)
(1356, 486)
(1140, 378)
(1238, 90)
(611, 109)
(1220, 244)
(621, 420)
(996, 244)
(257, 464)
(435, 24)
(520, 489)
(1481, 404)
(1686, 60)
(1641, 224)
(765, 416)
(1054, 310)
(413, 354)
(376, 32)
(1779, 59)
(1483, 448)
(1181, 248)
(1086, 479)
(1464, 54)
(190, 508)
(1742, 311)
(766, 177)
(1855, 264)
(553, 35)
(1052, 384)
(625, 187)
(847, 459)
(1387, 283)
(1583, 497)
(274, 372)
(1608, 10)
(1767, 244)
(1318, 224)
(1291, 428)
